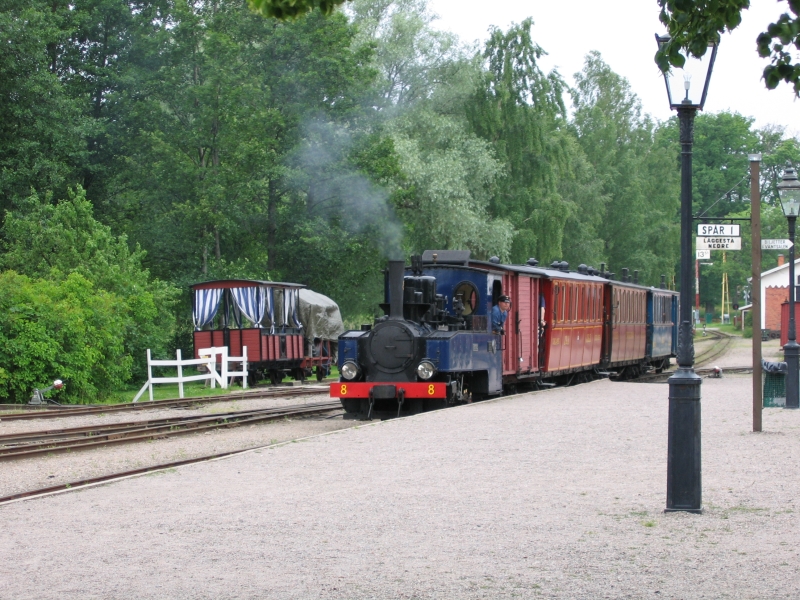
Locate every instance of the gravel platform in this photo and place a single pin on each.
(556, 494)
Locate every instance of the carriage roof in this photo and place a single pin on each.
(462, 258)
(221, 284)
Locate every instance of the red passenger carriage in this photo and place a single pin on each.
(592, 322)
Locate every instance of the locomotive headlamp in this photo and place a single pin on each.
(425, 370)
(349, 370)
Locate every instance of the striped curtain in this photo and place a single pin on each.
(269, 300)
(236, 313)
(290, 303)
(206, 303)
(250, 301)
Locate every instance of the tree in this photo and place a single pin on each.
(638, 197)
(42, 128)
(49, 241)
(692, 24)
(216, 124)
(519, 109)
(414, 59)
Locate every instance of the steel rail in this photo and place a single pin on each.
(716, 350)
(93, 430)
(128, 406)
(135, 432)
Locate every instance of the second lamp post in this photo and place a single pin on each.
(789, 190)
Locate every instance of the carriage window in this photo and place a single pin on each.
(559, 299)
(570, 299)
(575, 296)
(468, 294)
(572, 302)
(628, 307)
(597, 293)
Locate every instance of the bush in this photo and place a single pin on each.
(67, 330)
(50, 241)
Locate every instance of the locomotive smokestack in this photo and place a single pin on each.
(396, 273)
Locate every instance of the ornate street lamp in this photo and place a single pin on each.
(789, 190)
(686, 89)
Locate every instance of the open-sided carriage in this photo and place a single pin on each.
(289, 331)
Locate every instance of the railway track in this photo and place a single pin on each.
(717, 349)
(36, 443)
(68, 411)
(719, 346)
(66, 440)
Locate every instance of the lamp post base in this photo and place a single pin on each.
(791, 352)
(684, 484)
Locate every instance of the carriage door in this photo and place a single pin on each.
(521, 356)
(608, 322)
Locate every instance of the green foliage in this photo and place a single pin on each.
(634, 176)
(692, 24)
(42, 130)
(65, 329)
(52, 241)
(519, 110)
(290, 9)
(776, 43)
(226, 110)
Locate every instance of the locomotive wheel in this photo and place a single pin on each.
(320, 373)
(275, 377)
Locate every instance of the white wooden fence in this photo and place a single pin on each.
(208, 358)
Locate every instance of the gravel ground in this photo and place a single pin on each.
(45, 471)
(556, 494)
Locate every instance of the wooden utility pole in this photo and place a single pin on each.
(755, 289)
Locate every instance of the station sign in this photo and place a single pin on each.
(703, 254)
(708, 230)
(776, 244)
(719, 243)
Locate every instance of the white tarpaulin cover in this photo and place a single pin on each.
(320, 316)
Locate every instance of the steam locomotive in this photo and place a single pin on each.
(435, 347)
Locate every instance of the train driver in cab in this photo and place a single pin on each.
(500, 314)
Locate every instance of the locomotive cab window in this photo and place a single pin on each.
(468, 294)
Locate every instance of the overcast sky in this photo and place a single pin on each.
(623, 32)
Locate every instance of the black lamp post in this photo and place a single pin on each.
(684, 489)
(789, 190)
